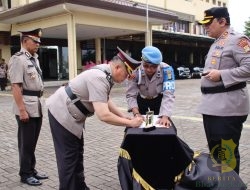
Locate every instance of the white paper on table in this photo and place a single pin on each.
(155, 119)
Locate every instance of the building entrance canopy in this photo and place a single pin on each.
(112, 17)
(76, 20)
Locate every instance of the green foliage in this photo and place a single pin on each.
(247, 28)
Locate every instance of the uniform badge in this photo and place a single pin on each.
(216, 54)
(219, 47)
(168, 79)
(169, 74)
(32, 75)
(225, 34)
(221, 42)
(40, 33)
(244, 43)
(213, 61)
(27, 54)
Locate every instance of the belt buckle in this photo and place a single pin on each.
(149, 97)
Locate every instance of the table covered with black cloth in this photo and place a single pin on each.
(151, 160)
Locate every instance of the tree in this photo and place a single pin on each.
(247, 28)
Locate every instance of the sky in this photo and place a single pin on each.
(239, 11)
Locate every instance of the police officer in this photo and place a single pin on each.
(152, 87)
(27, 87)
(3, 74)
(225, 100)
(69, 106)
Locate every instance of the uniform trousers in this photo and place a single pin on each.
(3, 83)
(69, 155)
(28, 133)
(152, 104)
(226, 128)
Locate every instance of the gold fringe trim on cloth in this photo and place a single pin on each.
(141, 181)
(123, 153)
(178, 177)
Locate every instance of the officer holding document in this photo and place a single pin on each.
(152, 87)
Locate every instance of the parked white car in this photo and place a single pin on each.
(183, 72)
(196, 72)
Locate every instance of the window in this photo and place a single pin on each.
(219, 3)
(5, 4)
(207, 1)
(214, 2)
(180, 26)
(224, 4)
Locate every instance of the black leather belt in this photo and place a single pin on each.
(149, 97)
(220, 89)
(32, 93)
(78, 103)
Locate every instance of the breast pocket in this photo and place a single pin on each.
(142, 86)
(215, 60)
(31, 73)
(159, 87)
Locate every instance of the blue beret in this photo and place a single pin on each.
(151, 54)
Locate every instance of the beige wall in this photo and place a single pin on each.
(5, 27)
(193, 7)
(158, 3)
(5, 52)
(22, 2)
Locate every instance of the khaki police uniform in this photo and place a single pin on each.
(66, 120)
(224, 112)
(150, 91)
(23, 71)
(227, 55)
(88, 88)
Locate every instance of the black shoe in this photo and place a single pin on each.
(41, 176)
(31, 181)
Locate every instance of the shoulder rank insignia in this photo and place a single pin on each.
(244, 43)
(221, 42)
(27, 55)
(19, 53)
(225, 34)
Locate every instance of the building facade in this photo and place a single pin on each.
(78, 32)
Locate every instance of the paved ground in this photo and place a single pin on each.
(102, 142)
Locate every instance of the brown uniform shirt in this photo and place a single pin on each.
(89, 86)
(21, 70)
(142, 85)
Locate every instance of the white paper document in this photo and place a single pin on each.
(155, 119)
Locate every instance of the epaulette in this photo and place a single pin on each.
(19, 53)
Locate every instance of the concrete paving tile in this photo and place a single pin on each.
(102, 141)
